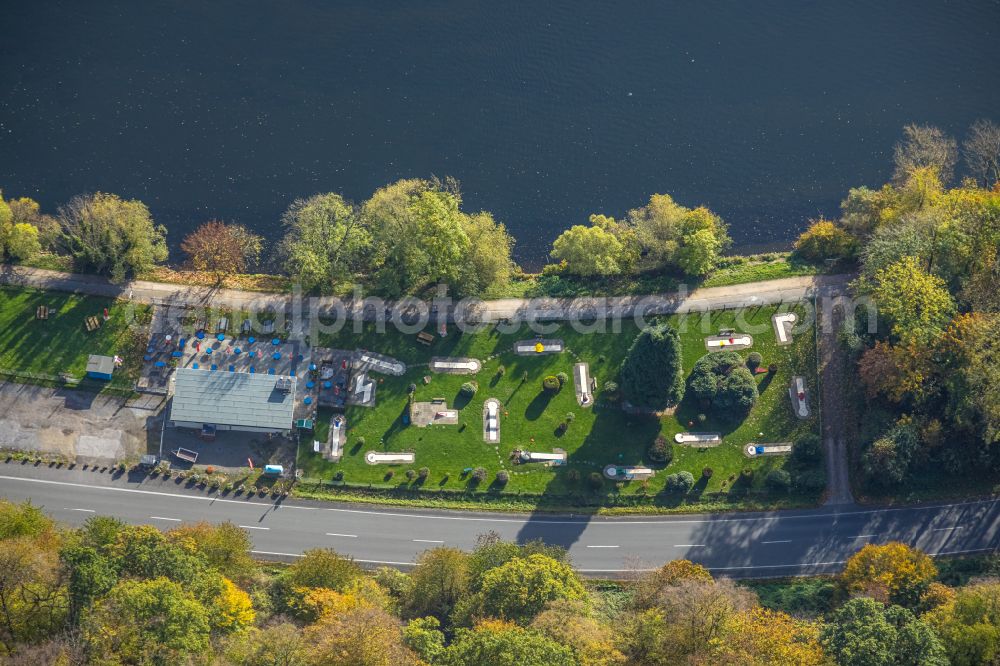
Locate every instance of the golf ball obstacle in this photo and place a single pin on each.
(783, 323)
(538, 347)
(800, 397)
(376, 458)
(734, 341)
(455, 365)
(753, 450)
(698, 440)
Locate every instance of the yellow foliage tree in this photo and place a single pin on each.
(762, 637)
(890, 573)
(233, 610)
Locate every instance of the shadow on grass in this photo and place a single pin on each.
(537, 406)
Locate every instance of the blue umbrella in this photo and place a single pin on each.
(194, 365)
(253, 370)
(308, 400)
(232, 368)
(220, 337)
(310, 384)
(276, 342)
(147, 357)
(214, 367)
(301, 357)
(237, 351)
(312, 366)
(200, 335)
(208, 350)
(160, 364)
(177, 354)
(149, 350)
(251, 339)
(252, 354)
(327, 385)
(291, 373)
(180, 343)
(270, 371)
(277, 356)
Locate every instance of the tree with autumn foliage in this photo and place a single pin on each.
(760, 637)
(824, 240)
(890, 573)
(222, 248)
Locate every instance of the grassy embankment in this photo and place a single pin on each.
(530, 420)
(54, 352)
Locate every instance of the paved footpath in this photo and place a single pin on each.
(785, 290)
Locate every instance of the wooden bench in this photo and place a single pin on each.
(42, 312)
(425, 338)
(92, 323)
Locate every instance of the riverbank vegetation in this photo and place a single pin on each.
(928, 250)
(111, 593)
(407, 238)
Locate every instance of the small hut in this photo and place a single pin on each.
(100, 367)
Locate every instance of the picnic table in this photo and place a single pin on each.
(42, 312)
(91, 323)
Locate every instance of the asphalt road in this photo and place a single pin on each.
(738, 545)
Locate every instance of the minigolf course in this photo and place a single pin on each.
(584, 384)
(621, 473)
(725, 342)
(491, 421)
(800, 398)
(699, 440)
(455, 365)
(376, 458)
(783, 323)
(536, 347)
(753, 450)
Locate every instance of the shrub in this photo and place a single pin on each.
(570, 417)
(423, 473)
(660, 450)
(825, 240)
(595, 480)
(773, 368)
(410, 475)
(754, 360)
(778, 480)
(679, 483)
(573, 475)
(503, 477)
(361, 441)
(807, 449)
(339, 476)
(551, 383)
(610, 387)
(810, 482)
(479, 475)
(469, 389)
(702, 418)
(707, 472)
(563, 378)
(721, 380)
(501, 371)
(746, 475)
(390, 474)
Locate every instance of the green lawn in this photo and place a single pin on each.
(42, 351)
(598, 436)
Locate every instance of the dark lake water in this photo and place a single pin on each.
(545, 111)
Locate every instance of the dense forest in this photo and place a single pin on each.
(111, 593)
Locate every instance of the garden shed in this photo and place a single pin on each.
(100, 367)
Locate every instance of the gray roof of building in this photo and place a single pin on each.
(232, 398)
(102, 364)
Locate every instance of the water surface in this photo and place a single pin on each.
(545, 111)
